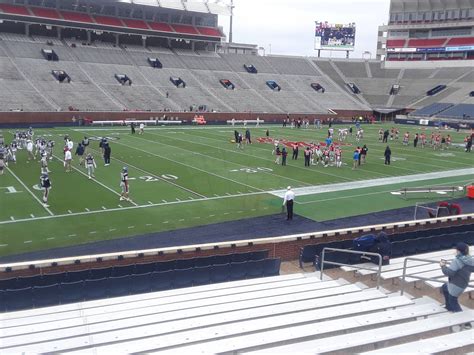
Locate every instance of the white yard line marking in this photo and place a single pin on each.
(151, 174)
(93, 232)
(303, 191)
(72, 235)
(317, 190)
(148, 225)
(27, 242)
(112, 230)
(52, 238)
(219, 159)
(191, 167)
(3, 245)
(31, 193)
(131, 227)
(268, 160)
(95, 180)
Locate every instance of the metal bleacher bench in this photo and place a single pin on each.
(128, 122)
(441, 190)
(245, 121)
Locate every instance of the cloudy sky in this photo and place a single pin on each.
(288, 25)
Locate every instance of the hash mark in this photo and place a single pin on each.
(69, 211)
(72, 235)
(120, 206)
(212, 215)
(164, 201)
(112, 230)
(50, 238)
(151, 203)
(104, 208)
(131, 227)
(178, 199)
(148, 225)
(166, 222)
(93, 232)
(181, 220)
(88, 210)
(12, 218)
(27, 241)
(3, 245)
(32, 215)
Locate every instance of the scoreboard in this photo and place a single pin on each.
(335, 37)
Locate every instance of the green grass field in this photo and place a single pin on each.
(191, 176)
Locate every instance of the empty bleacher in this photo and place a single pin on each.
(93, 86)
(274, 314)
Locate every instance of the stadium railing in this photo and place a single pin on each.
(233, 245)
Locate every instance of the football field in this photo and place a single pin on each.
(191, 176)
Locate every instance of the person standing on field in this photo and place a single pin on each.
(388, 155)
(288, 201)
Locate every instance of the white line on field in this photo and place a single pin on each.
(219, 159)
(191, 167)
(12, 218)
(32, 215)
(69, 211)
(31, 193)
(303, 191)
(112, 230)
(95, 180)
(104, 208)
(322, 188)
(93, 232)
(154, 175)
(164, 201)
(50, 238)
(120, 206)
(27, 242)
(3, 245)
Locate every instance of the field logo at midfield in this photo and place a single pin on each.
(98, 139)
(10, 189)
(252, 170)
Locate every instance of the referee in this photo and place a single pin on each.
(288, 200)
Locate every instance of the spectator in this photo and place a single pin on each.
(459, 273)
(382, 246)
(388, 155)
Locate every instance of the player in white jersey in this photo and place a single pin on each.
(29, 149)
(90, 165)
(13, 149)
(142, 128)
(49, 149)
(70, 144)
(338, 157)
(44, 164)
(67, 160)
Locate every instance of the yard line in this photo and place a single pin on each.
(95, 180)
(268, 160)
(3, 245)
(154, 175)
(105, 210)
(365, 194)
(402, 148)
(219, 159)
(27, 242)
(324, 173)
(192, 167)
(31, 193)
(303, 191)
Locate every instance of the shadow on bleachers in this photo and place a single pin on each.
(66, 287)
(404, 244)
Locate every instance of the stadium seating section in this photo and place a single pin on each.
(51, 289)
(93, 66)
(402, 244)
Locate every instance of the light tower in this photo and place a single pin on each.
(231, 20)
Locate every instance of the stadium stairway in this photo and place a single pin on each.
(275, 314)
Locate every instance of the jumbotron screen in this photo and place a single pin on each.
(336, 37)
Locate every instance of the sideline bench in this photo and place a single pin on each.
(440, 190)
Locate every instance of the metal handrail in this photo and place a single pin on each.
(323, 261)
(413, 276)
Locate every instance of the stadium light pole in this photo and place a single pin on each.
(231, 20)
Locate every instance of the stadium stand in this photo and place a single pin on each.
(259, 314)
(461, 111)
(431, 110)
